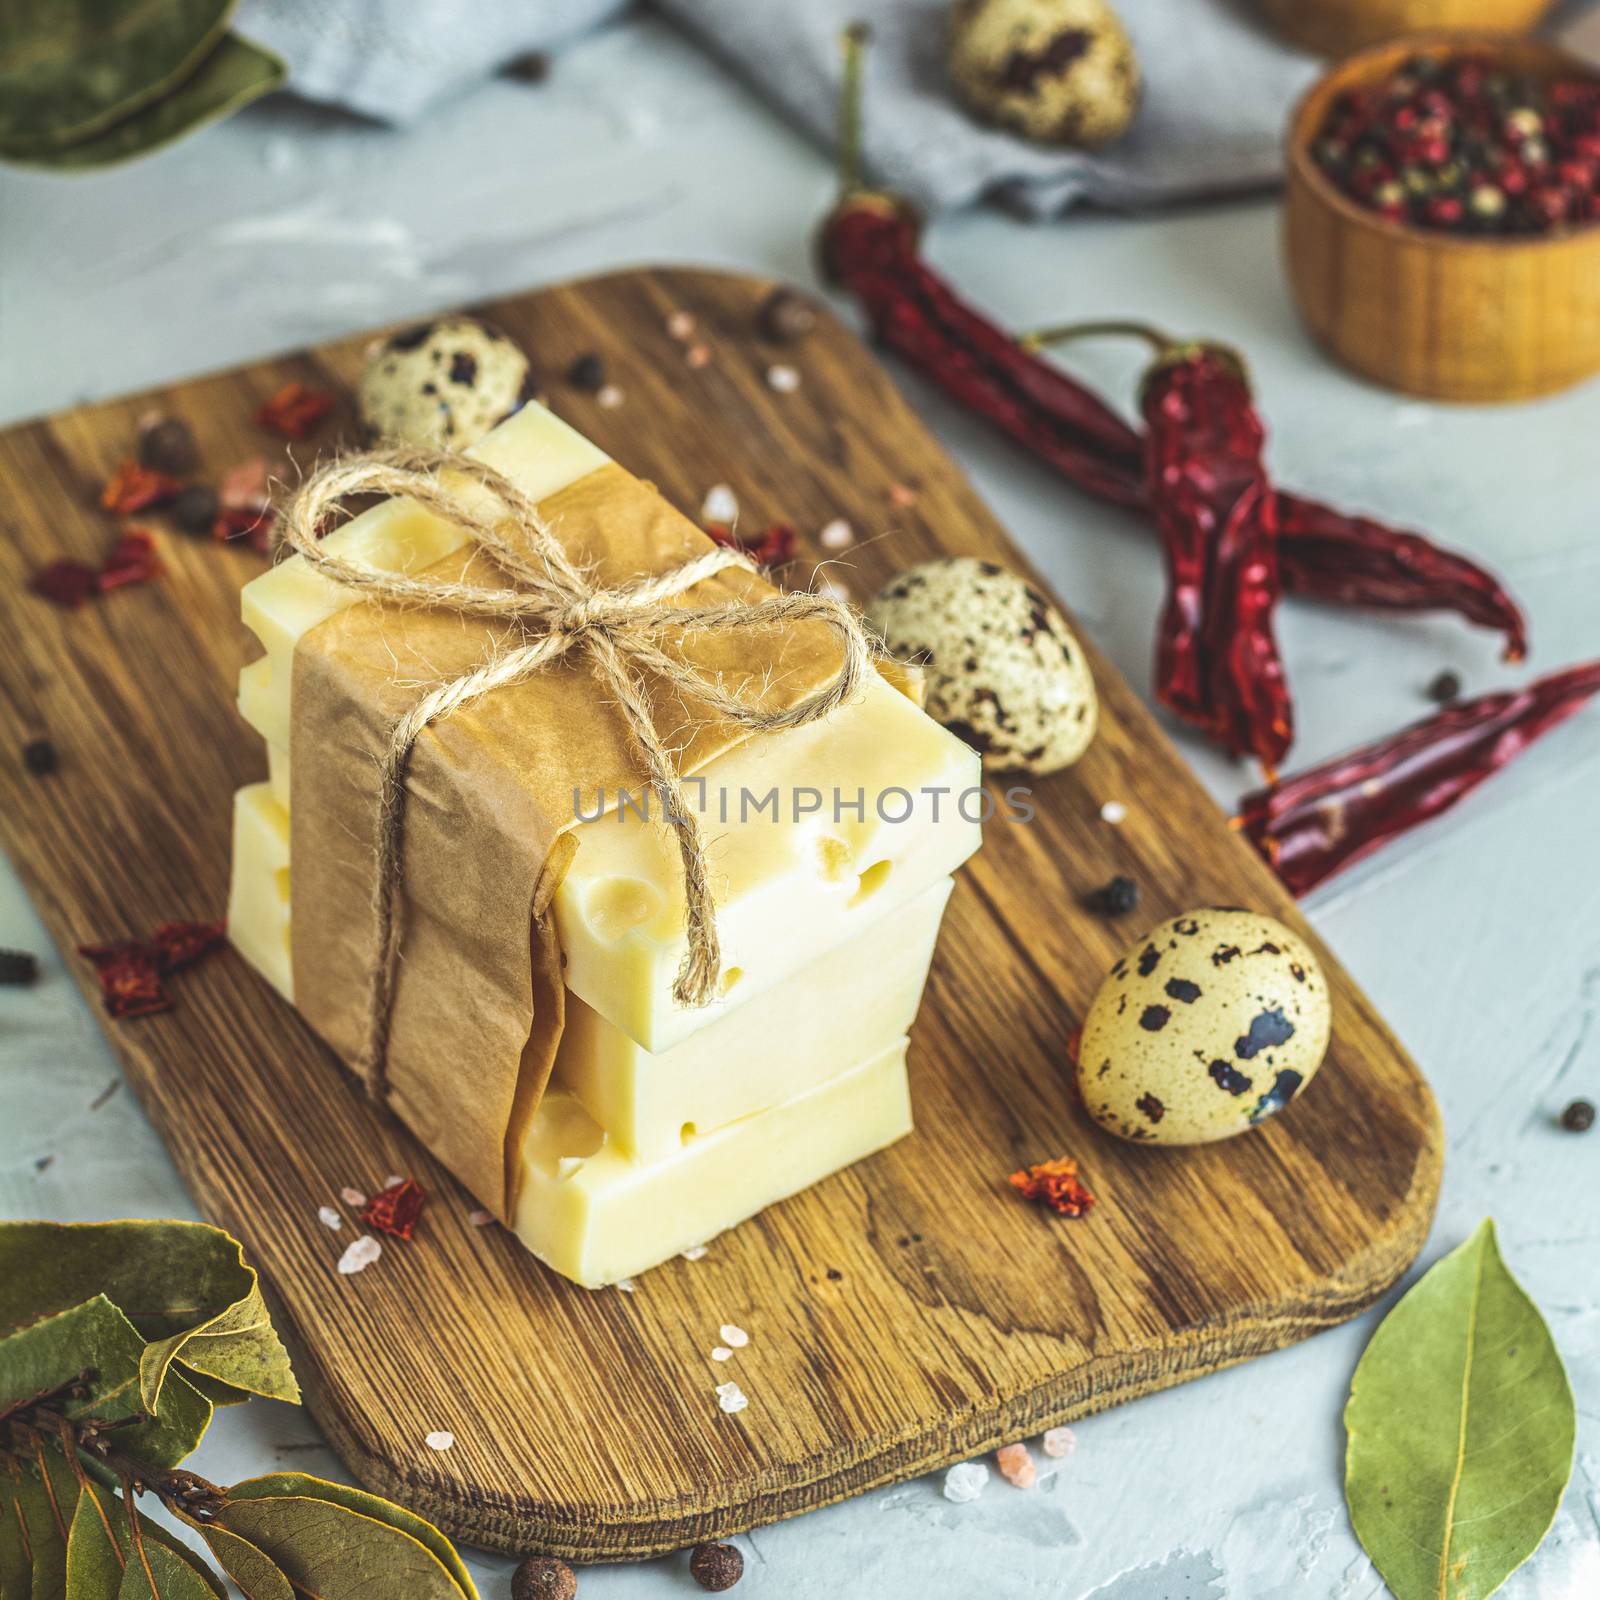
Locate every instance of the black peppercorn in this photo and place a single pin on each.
(1117, 898)
(1445, 688)
(39, 757)
(532, 66)
(587, 373)
(543, 1578)
(167, 445)
(787, 316)
(716, 1566)
(1578, 1117)
(196, 509)
(18, 967)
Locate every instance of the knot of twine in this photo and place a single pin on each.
(558, 609)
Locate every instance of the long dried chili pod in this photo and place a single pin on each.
(869, 243)
(1206, 486)
(1351, 560)
(1316, 823)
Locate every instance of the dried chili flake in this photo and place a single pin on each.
(295, 411)
(253, 524)
(396, 1209)
(1054, 1184)
(177, 945)
(137, 488)
(131, 970)
(65, 582)
(133, 559)
(771, 548)
(130, 979)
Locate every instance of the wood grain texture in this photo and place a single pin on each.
(1336, 27)
(907, 1313)
(1428, 313)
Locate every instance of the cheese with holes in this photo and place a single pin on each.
(754, 1056)
(812, 834)
(596, 1217)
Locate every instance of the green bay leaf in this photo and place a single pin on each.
(1461, 1431)
(72, 68)
(184, 1285)
(234, 74)
(96, 1336)
(45, 1541)
(337, 1554)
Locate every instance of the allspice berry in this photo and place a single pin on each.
(167, 445)
(786, 316)
(716, 1567)
(1578, 1117)
(196, 509)
(543, 1578)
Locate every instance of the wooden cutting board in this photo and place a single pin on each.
(905, 1314)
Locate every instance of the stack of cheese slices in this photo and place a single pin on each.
(663, 1126)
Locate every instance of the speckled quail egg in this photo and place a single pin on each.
(1002, 668)
(1205, 1028)
(1055, 71)
(442, 384)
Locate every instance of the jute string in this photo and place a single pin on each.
(557, 609)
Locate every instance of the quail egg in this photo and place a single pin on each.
(1002, 668)
(1054, 71)
(1206, 1027)
(442, 384)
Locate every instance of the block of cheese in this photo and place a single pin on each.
(812, 834)
(754, 1056)
(780, 1044)
(595, 1216)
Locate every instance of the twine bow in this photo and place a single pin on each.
(558, 609)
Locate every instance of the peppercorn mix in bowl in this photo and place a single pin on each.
(1442, 216)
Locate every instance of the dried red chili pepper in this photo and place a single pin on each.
(1319, 821)
(137, 488)
(1054, 1184)
(396, 1209)
(295, 411)
(869, 244)
(1217, 662)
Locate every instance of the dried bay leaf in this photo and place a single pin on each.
(1461, 1431)
(160, 1572)
(275, 1484)
(184, 1285)
(233, 75)
(251, 1569)
(42, 1535)
(16, 1565)
(96, 1336)
(336, 1554)
(97, 1547)
(71, 68)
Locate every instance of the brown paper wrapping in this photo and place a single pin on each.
(478, 1007)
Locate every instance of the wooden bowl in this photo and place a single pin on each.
(1438, 314)
(1336, 27)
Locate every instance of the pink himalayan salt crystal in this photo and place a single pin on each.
(1016, 1466)
(1059, 1442)
(352, 1197)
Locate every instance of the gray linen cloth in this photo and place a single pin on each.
(1218, 85)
